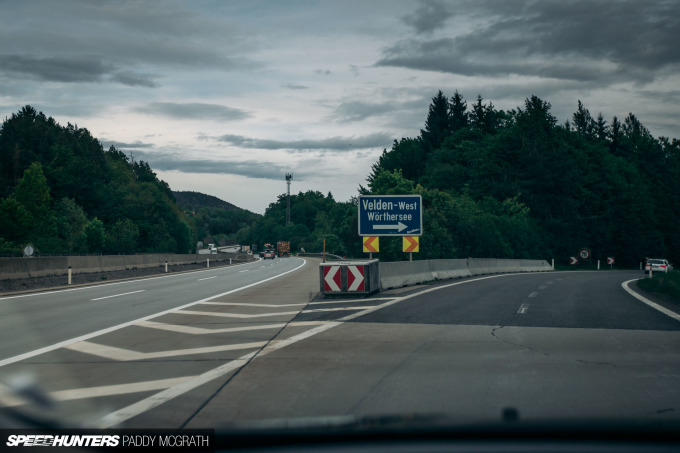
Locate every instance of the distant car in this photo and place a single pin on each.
(269, 254)
(658, 265)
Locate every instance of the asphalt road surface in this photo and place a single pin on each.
(550, 345)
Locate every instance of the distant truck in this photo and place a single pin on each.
(213, 249)
(283, 248)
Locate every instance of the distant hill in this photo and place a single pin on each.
(216, 220)
(193, 201)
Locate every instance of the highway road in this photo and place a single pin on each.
(551, 345)
(56, 316)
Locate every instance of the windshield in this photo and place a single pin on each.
(232, 215)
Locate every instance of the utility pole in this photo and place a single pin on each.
(289, 177)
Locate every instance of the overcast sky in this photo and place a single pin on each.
(226, 97)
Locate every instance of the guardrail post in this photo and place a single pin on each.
(208, 263)
(69, 275)
(166, 266)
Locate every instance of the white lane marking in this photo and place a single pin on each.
(544, 287)
(523, 309)
(108, 390)
(203, 331)
(319, 310)
(246, 270)
(121, 415)
(643, 299)
(233, 315)
(118, 295)
(61, 344)
(532, 295)
(349, 301)
(126, 413)
(125, 355)
(136, 280)
(206, 278)
(244, 304)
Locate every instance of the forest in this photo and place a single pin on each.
(62, 193)
(509, 184)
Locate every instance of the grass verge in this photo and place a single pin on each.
(664, 283)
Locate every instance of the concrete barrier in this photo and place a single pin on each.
(404, 273)
(445, 269)
(407, 273)
(535, 266)
(15, 268)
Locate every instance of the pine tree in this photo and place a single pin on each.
(437, 125)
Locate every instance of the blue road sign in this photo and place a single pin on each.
(390, 215)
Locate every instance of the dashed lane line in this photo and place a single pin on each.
(126, 355)
(523, 309)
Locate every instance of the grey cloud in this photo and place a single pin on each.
(58, 69)
(250, 168)
(106, 144)
(129, 33)
(134, 79)
(430, 16)
(71, 69)
(352, 110)
(338, 144)
(292, 86)
(194, 111)
(586, 41)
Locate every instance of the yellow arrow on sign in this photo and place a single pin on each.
(371, 244)
(411, 244)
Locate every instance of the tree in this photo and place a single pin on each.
(458, 112)
(71, 222)
(123, 237)
(95, 234)
(34, 193)
(437, 124)
(583, 122)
